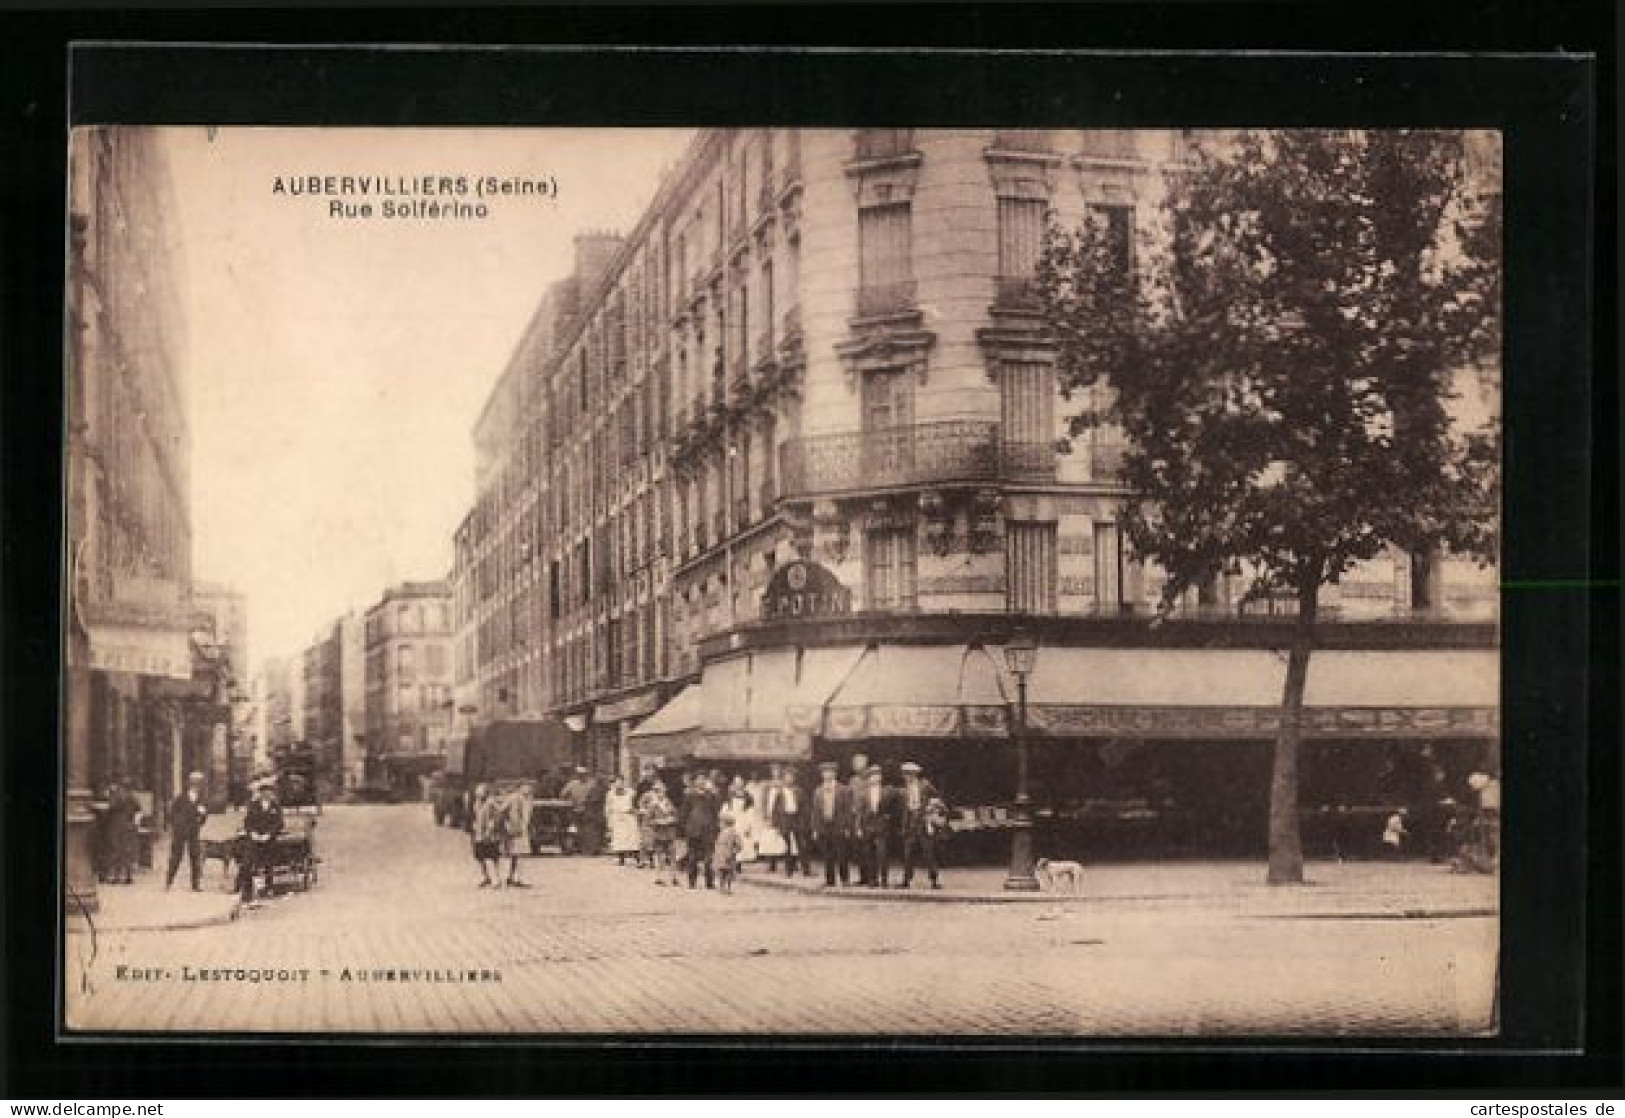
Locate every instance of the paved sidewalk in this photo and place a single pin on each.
(146, 906)
(1332, 889)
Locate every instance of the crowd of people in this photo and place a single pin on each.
(708, 825)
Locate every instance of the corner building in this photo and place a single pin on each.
(774, 476)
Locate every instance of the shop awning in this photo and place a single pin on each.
(919, 692)
(762, 705)
(150, 651)
(1236, 693)
(674, 728)
(751, 702)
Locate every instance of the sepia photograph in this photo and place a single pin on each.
(782, 582)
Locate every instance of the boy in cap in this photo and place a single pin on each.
(186, 816)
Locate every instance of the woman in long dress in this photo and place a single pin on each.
(770, 842)
(621, 813)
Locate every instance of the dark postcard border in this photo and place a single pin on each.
(1553, 411)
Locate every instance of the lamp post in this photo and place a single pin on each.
(1021, 656)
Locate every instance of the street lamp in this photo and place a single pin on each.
(1021, 657)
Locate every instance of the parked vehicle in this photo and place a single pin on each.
(500, 753)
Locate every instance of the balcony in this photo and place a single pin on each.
(878, 299)
(951, 450)
(1028, 461)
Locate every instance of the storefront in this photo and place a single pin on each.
(1134, 751)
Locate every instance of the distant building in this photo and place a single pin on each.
(353, 699)
(409, 698)
(276, 705)
(220, 636)
(323, 701)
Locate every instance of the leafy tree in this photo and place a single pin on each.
(1280, 358)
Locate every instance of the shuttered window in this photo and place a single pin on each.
(1021, 236)
(885, 265)
(1031, 557)
(1027, 402)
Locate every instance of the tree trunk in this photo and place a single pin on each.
(1286, 843)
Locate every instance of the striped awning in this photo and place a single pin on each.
(920, 691)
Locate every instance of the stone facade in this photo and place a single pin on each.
(825, 344)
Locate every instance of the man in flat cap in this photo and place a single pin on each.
(877, 819)
(830, 823)
(925, 817)
(186, 816)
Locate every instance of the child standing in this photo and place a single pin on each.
(662, 816)
(725, 857)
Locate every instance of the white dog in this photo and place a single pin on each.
(1052, 874)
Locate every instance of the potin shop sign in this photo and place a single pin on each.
(804, 589)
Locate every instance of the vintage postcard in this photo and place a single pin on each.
(885, 581)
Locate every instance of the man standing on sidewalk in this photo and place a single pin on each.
(923, 815)
(186, 816)
(831, 823)
(877, 811)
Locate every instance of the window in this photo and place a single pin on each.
(1027, 409)
(891, 567)
(885, 264)
(1030, 554)
(1108, 568)
(1021, 241)
(1117, 223)
(403, 663)
(884, 143)
(435, 660)
(888, 417)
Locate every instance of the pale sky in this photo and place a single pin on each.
(337, 366)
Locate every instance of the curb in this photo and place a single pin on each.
(913, 896)
(78, 925)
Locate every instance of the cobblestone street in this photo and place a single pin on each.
(592, 947)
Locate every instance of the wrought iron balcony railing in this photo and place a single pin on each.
(885, 298)
(959, 449)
